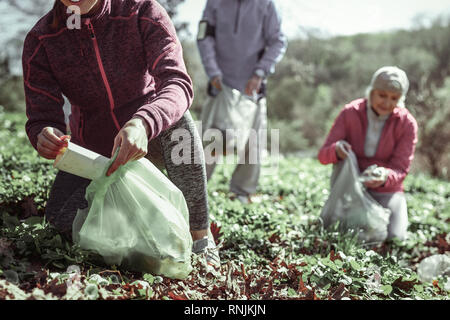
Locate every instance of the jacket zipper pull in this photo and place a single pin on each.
(91, 28)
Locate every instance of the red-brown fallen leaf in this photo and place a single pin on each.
(439, 242)
(215, 230)
(269, 291)
(139, 286)
(301, 286)
(58, 290)
(274, 238)
(112, 286)
(311, 295)
(259, 285)
(41, 277)
(4, 293)
(273, 264)
(436, 283)
(404, 285)
(334, 256)
(338, 292)
(243, 271)
(174, 296)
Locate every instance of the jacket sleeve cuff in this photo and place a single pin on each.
(150, 122)
(328, 154)
(215, 75)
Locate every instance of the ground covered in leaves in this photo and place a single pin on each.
(274, 248)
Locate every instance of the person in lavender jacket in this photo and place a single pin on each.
(382, 132)
(122, 71)
(240, 42)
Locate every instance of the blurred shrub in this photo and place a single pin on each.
(12, 96)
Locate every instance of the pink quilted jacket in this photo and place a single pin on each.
(395, 150)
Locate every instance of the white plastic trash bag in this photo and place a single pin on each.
(352, 205)
(434, 267)
(137, 218)
(233, 111)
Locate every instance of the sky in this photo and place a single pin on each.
(337, 17)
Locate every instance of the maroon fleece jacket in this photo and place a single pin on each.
(125, 61)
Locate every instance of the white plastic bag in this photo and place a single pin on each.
(434, 267)
(351, 204)
(137, 218)
(230, 110)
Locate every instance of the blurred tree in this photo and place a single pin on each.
(36, 8)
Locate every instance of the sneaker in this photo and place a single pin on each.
(241, 198)
(207, 246)
(244, 199)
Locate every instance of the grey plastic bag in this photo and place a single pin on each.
(435, 267)
(352, 205)
(230, 110)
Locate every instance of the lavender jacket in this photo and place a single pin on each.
(243, 29)
(125, 60)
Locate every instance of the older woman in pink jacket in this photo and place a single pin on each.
(381, 131)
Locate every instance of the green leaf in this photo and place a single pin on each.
(10, 221)
(34, 221)
(327, 286)
(418, 288)
(58, 264)
(355, 265)
(149, 278)
(291, 292)
(338, 263)
(387, 289)
(142, 292)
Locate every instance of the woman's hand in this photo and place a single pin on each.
(216, 82)
(132, 140)
(342, 149)
(253, 85)
(375, 176)
(50, 142)
(372, 184)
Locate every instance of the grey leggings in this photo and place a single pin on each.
(396, 202)
(68, 190)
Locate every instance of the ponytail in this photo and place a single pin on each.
(59, 14)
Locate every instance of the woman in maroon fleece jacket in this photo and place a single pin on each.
(380, 131)
(123, 72)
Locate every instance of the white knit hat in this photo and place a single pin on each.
(390, 78)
